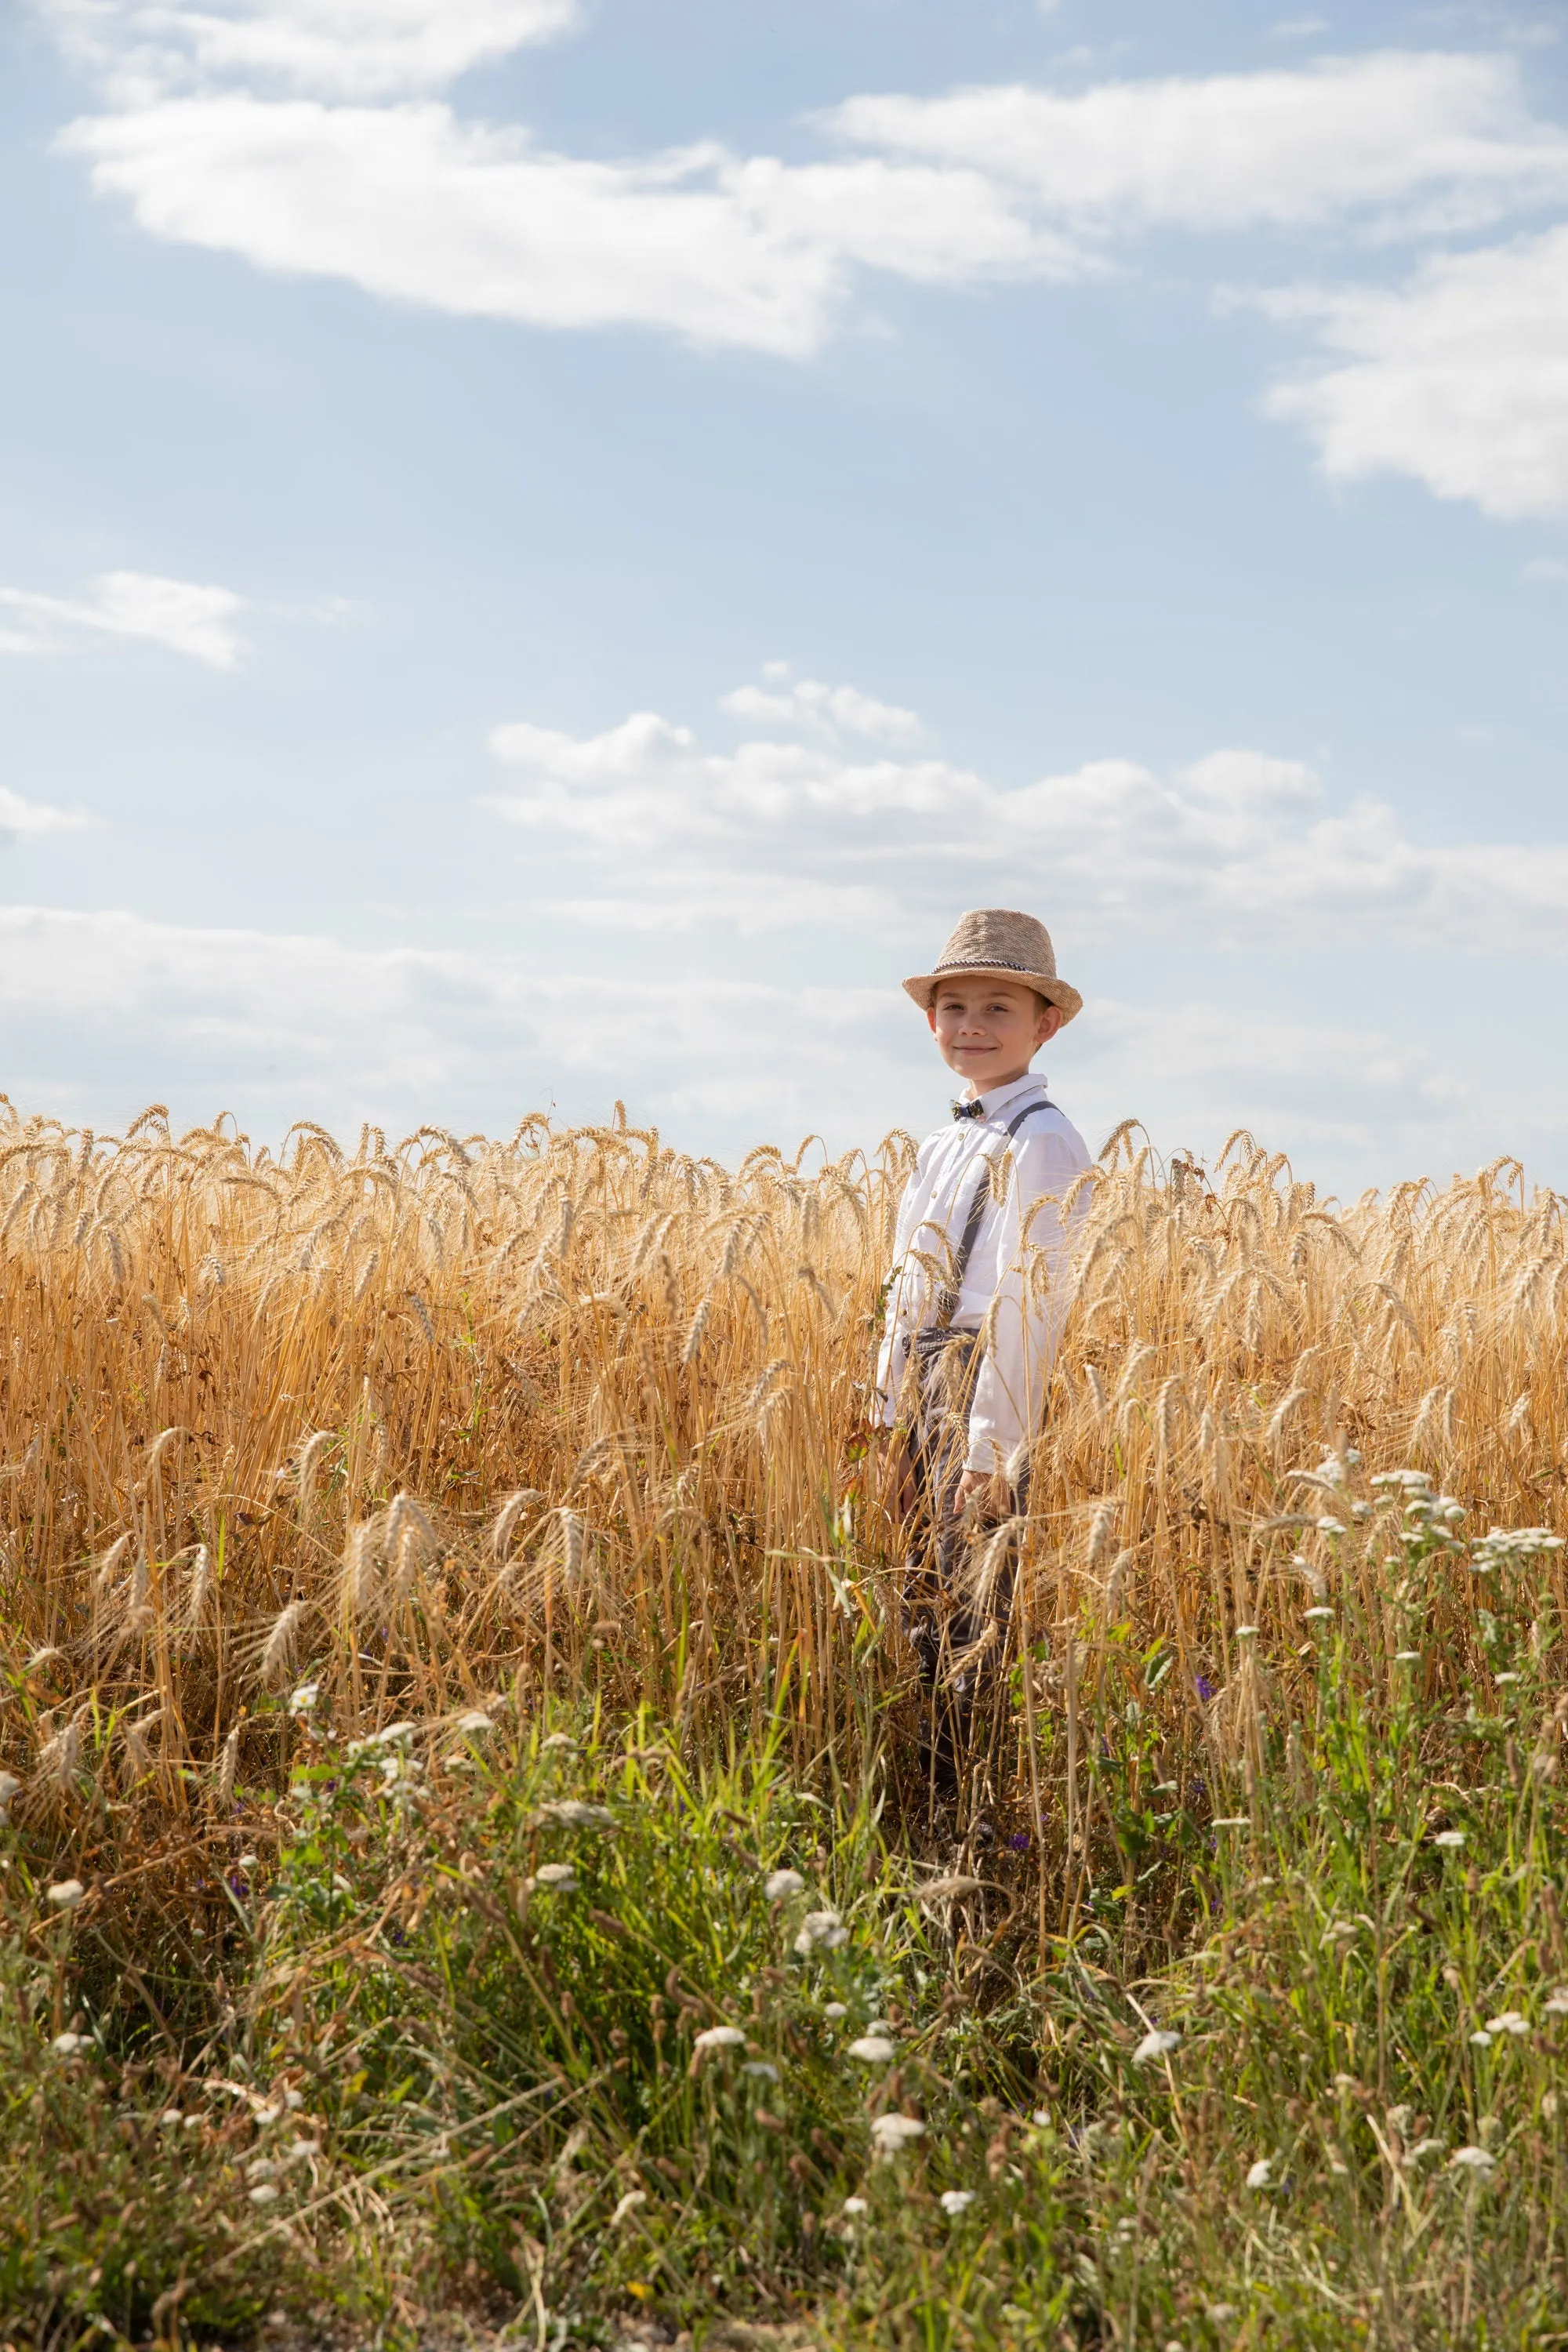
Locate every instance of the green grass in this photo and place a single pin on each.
(1295, 2081)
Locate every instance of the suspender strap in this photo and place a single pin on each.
(947, 1296)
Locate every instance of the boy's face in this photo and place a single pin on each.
(989, 1030)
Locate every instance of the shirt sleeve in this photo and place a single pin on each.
(1024, 1324)
(901, 1306)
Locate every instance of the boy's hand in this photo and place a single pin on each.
(985, 1482)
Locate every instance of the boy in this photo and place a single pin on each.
(978, 1293)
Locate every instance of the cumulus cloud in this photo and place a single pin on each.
(109, 1009)
(832, 711)
(311, 136)
(1459, 378)
(185, 616)
(646, 826)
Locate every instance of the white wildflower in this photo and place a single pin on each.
(1452, 1839)
(1407, 1657)
(1481, 2040)
(1477, 2160)
(873, 2049)
(558, 1739)
(476, 1723)
(1557, 2006)
(1230, 1821)
(1262, 2174)
(68, 2044)
(853, 2205)
(1324, 1611)
(1246, 1633)
(834, 2010)
(628, 2204)
(171, 2119)
(262, 2169)
(1425, 2148)
(300, 2151)
(1510, 2021)
(893, 2131)
(66, 1894)
(304, 1699)
(1158, 2043)
(1331, 1526)
(720, 2037)
(760, 2070)
(954, 2201)
(821, 1931)
(265, 2195)
(10, 1786)
(555, 1873)
(573, 1814)
(780, 1883)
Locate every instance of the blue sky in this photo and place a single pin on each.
(547, 551)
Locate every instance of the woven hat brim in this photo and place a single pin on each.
(1060, 993)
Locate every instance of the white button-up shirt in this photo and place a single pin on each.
(1016, 1286)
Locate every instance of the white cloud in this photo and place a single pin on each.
(349, 48)
(1460, 378)
(1545, 571)
(1344, 1096)
(415, 205)
(1236, 151)
(831, 711)
(22, 820)
(643, 827)
(108, 1009)
(182, 615)
(308, 136)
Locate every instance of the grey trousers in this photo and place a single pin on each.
(944, 1613)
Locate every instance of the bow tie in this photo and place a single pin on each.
(975, 1110)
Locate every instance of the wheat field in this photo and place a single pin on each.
(571, 1430)
(581, 1404)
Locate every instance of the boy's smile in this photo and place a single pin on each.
(989, 1030)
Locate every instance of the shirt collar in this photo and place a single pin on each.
(1001, 1098)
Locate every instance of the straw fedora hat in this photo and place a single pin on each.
(994, 942)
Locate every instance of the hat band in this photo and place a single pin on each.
(988, 963)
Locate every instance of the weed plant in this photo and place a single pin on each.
(452, 1651)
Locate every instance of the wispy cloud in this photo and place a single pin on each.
(185, 616)
(643, 827)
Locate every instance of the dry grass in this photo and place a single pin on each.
(583, 1410)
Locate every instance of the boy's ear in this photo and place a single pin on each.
(1049, 1022)
(931, 1018)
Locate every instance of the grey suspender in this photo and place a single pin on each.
(948, 1296)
